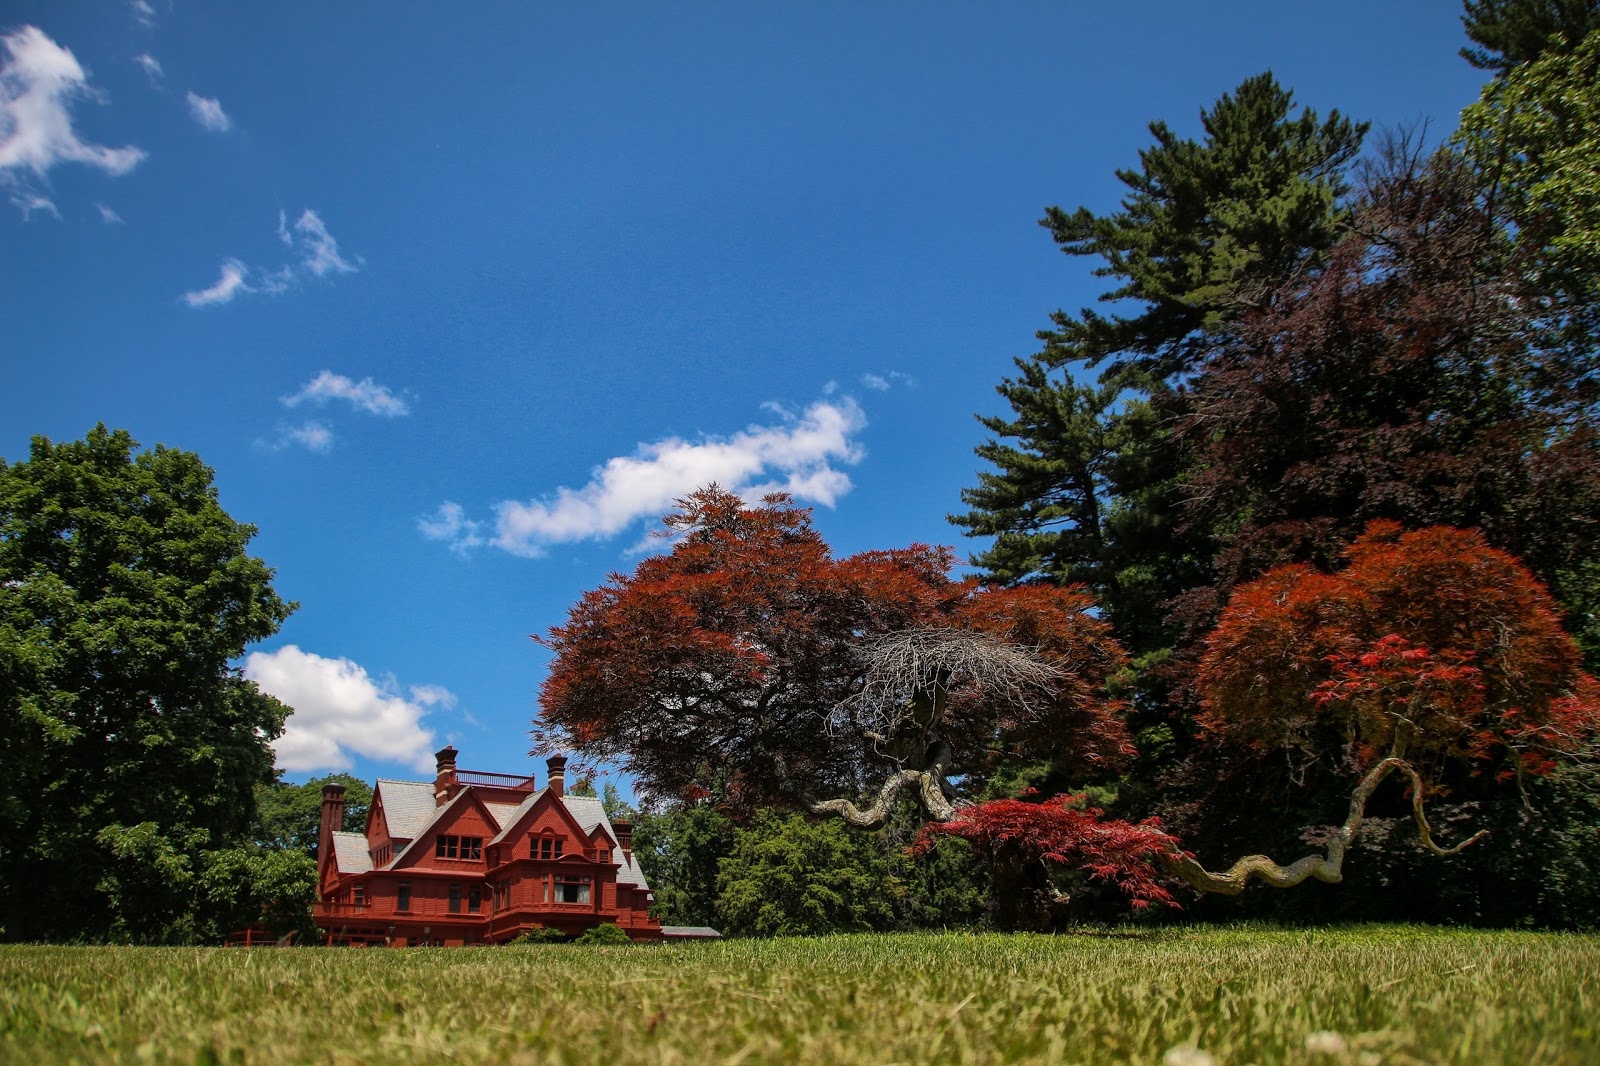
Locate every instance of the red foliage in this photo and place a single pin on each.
(732, 655)
(1426, 643)
(1061, 831)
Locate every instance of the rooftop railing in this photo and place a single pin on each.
(484, 777)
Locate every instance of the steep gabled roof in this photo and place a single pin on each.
(408, 807)
(589, 813)
(502, 813)
(465, 796)
(410, 812)
(350, 854)
(510, 821)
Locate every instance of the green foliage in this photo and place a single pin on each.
(538, 935)
(1514, 32)
(290, 816)
(1535, 135)
(242, 885)
(679, 851)
(789, 876)
(130, 748)
(604, 933)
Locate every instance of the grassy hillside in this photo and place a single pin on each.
(1367, 996)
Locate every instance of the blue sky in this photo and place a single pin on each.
(454, 296)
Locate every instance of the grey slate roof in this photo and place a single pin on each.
(690, 932)
(350, 853)
(434, 814)
(407, 806)
(517, 812)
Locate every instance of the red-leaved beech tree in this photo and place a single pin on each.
(751, 656)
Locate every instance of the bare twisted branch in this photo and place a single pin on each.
(1328, 867)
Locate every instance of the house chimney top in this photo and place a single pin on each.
(557, 765)
(444, 784)
(624, 829)
(332, 821)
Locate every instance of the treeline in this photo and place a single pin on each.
(1314, 328)
(1317, 338)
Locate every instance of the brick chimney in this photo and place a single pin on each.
(557, 765)
(332, 822)
(445, 783)
(624, 830)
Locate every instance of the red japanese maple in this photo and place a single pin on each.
(1427, 644)
(1061, 831)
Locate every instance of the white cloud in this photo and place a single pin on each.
(796, 456)
(433, 696)
(38, 82)
(143, 12)
(366, 394)
(107, 215)
(208, 112)
(317, 254)
(229, 285)
(340, 711)
(450, 523)
(313, 436)
(151, 66)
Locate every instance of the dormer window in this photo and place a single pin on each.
(545, 848)
(454, 847)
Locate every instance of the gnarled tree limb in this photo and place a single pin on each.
(1328, 867)
(931, 793)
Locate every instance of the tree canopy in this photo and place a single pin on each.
(1425, 645)
(750, 654)
(131, 747)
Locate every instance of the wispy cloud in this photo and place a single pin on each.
(143, 13)
(451, 524)
(30, 204)
(364, 395)
(885, 382)
(151, 67)
(801, 455)
(108, 215)
(313, 436)
(318, 251)
(208, 112)
(340, 711)
(316, 254)
(230, 284)
(39, 82)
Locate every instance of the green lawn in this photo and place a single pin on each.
(1367, 995)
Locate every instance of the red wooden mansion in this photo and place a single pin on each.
(476, 858)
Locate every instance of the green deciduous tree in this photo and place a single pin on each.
(1534, 137)
(679, 850)
(790, 876)
(289, 816)
(130, 749)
